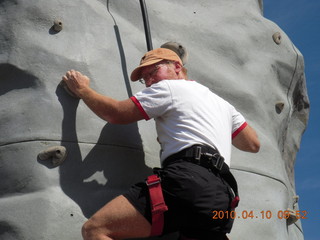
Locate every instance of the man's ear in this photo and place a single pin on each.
(178, 67)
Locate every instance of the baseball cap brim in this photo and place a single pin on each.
(152, 57)
(136, 74)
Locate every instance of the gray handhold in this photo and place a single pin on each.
(57, 25)
(65, 87)
(277, 37)
(279, 107)
(180, 50)
(56, 155)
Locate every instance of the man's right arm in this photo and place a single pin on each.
(109, 109)
(247, 140)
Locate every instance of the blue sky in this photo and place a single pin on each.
(300, 20)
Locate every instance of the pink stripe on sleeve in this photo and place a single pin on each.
(137, 103)
(239, 130)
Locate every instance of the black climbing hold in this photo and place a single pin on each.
(279, 107)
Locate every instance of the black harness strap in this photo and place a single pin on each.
(208, 157)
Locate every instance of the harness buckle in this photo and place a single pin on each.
(219, 161)
(198, 153)
(218, 164)
(154, 181)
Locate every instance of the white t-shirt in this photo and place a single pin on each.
(188, 113)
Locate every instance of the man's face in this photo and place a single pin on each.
(157, 72)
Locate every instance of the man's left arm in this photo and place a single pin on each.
(109, 109)
(247, 140)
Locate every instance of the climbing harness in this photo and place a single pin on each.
(158, 206)
(208, 157)
(201, 155)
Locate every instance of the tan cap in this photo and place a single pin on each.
(152, 57)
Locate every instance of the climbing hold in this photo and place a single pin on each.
(293, 212)
(65, 87)
(295, 201)
(279, 107)
(292, 216)
(57, 25)
(277, 37)
(56, 154)
(178, 49)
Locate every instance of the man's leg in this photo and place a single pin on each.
(118, 219)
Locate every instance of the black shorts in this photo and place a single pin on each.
(191, 193)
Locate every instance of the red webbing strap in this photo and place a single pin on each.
(235, 202)
(158, 206)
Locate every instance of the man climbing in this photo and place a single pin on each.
(196, 129)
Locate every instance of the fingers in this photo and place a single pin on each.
(76, 82)
(71, 75)
(74, 76)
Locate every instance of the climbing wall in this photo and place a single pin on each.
(233, 50)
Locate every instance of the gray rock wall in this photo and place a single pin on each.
(231, 50)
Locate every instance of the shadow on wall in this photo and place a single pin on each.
(121, 166)
(117, 159)
(21, 79)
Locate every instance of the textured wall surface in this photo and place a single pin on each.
(231, 50)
